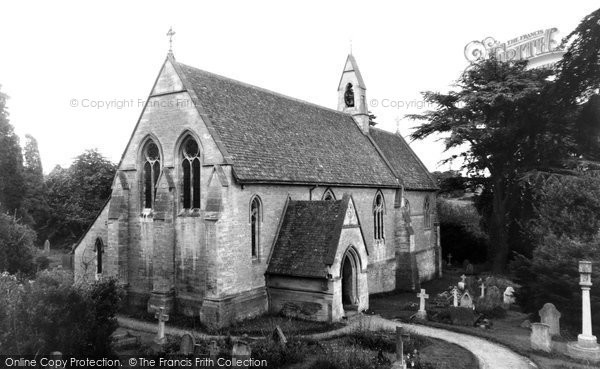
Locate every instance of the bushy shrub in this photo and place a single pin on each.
(490, 307)
(565, 231)
(460, 232)
(51, 314)
(16, 246)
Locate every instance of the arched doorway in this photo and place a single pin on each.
(349, 280)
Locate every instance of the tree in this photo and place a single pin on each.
(563, 230)
(502, 112)
(579, 69)
(16, 246)
(11, 164)
(35, 201)
(77, 194)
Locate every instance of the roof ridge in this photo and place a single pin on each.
(246, 84)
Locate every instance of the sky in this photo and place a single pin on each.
(61, 61)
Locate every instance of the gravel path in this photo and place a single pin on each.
(490, 355)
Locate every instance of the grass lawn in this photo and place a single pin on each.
(263, 325)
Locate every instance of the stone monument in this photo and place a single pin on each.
(586, 347)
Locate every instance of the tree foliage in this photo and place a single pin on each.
(11, 164)
(564, 231)
(76, 194)
(51, 314)
(501, 112)
(35, 201)
(16, 246)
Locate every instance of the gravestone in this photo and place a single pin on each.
(241, 351)
(279, 337)
(551, 316)
(466, 300)
(540, 337)
(494, 295)
(455, 297)
(399, 363)
(56, 356)
(186, 347)
(482, 290)
(213, 350)
(462, 282)
(509, 295)
(469, 269)
(449, 259)
(422, 314)
(47, 247)
(162, 318)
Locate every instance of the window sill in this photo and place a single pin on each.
(190, 213)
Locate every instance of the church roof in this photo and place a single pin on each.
(403, 160)
(271, 138)
(308, 238)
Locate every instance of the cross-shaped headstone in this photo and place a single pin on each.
(449, 259)
(422, 296)
(462, 283)
(455, 295)
(482, 290)
(162, 318)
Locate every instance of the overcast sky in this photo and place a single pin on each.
(54, 52)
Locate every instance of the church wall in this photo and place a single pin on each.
(84, 262)
(166, 120)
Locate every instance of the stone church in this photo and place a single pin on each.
(231, 201)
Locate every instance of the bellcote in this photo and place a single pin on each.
(352, 94)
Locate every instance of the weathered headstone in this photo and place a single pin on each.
(540, 337)
(469, 269)
(551, 316)
(482, 287)
(186, 347)
(509, 295)
(455, 297)
(279, 337)
(213, 350)
(449, 259)
(241, 351)
(494, 295)
(399, 363)
(47, 247)
(162, 318)
(462, 282)
(56, 356)
(466, 300)
(422, 313)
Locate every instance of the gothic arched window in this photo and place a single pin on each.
(427, 212)
(328, 195)
(99, 250)
(190, 165)
(349, 95)
(378, 211)
(151, 159)
(255, 218)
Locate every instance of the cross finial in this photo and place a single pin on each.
(171, 33)
(350, 46)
